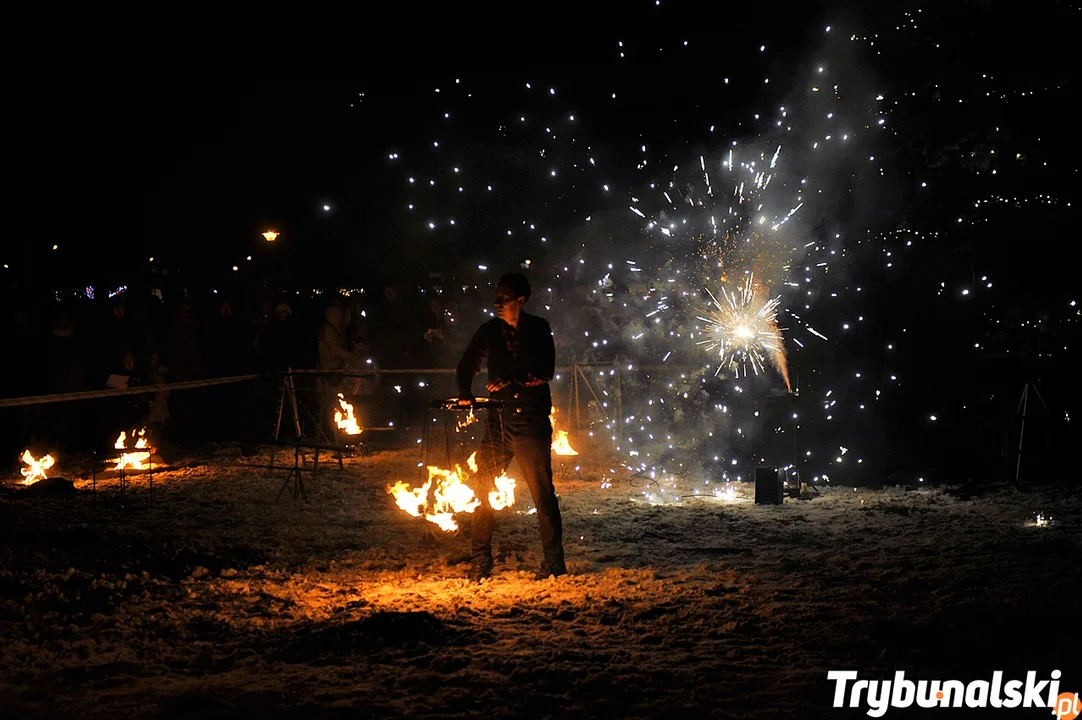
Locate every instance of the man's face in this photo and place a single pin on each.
(506, 304)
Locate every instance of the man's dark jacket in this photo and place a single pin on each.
(520, 355)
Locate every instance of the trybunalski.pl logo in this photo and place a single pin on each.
(881, 695)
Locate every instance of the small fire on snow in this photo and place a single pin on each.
(344, 418)
(447, 493)
(561, 445)
(139, 458)
(35, 468)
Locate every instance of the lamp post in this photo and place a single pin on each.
(274, 268)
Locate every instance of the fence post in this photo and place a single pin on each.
(619, 404)
(578, 408)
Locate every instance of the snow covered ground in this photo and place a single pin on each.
(218, 602)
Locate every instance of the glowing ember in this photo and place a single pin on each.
(447, 493)
(465, 422)
(137, 460)
(35, 468)
(561, 445)
(344, 418)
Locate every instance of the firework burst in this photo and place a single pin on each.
(742, 329)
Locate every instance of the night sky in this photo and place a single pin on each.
(187, 140)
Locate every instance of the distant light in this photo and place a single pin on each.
(933, 418)
(55, 247)
(552, 91)
(248, 258)
(270, 236)
(326, 208)
(762, 48)
(151, 259)
(235, 268)
(482, 267)
(828, 28)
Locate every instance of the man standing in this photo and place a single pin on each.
(521, 361)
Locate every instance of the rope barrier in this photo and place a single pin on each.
(115, 392)
(192, 384)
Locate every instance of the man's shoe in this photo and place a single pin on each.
(480, 568)
(550, 569)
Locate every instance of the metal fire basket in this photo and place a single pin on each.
(461, 428)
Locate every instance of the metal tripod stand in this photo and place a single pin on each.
(1023, 406)
(294, 482)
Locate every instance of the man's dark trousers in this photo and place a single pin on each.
(525, 434)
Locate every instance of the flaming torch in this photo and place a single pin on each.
(135, 458)
(446, 493)
(561, 445)
(344, 418)
(35, 468)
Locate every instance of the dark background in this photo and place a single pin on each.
(182, 138)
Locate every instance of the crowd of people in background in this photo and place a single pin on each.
(153, 337)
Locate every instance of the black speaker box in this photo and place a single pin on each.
(768, 486)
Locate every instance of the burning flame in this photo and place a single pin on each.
(35, 469)
(560, 445)
(346, 421)
(138, 460)
(504, 494)
(466, 421)
(446, 493)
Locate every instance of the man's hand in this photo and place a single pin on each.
(496, 385)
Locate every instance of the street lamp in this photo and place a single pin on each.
(270, 236)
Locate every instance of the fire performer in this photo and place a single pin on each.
(521, 358)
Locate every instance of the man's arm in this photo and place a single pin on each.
(470, 364)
